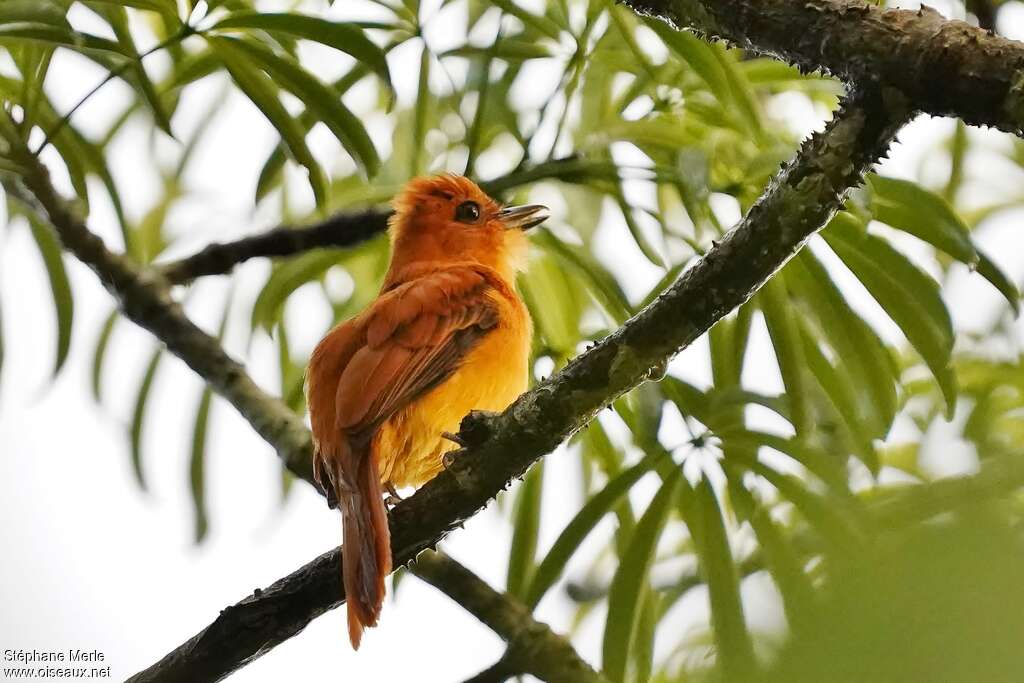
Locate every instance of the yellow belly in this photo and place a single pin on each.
(409, 446)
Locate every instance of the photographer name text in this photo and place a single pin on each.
(52, 656)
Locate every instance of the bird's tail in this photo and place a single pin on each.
(367, 547)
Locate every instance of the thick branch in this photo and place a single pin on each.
(350, 229)
(795, 205)
(945, 68)
(533, 647)
(144, 298)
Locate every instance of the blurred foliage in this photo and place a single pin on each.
(650, 140)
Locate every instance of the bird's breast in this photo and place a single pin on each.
(409, 446)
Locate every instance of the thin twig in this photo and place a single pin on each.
(338, 231)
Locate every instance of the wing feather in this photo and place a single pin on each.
(416, 336)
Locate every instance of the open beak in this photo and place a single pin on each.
(523, 217)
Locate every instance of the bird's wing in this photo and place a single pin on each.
(415, 337)
(410, 340)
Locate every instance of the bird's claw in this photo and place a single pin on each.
(475, 427)
(392, 499)
(454, 438)
(448, 458)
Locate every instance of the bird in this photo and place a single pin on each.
(447, 334)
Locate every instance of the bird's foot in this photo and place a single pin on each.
(454, 438)
(392, 499)
(476, 427)
(448, 458)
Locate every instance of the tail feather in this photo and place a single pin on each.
(367, 547)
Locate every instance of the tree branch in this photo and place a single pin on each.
(499, 672)
(533, 647)
(144, 298)
(795, 205)
(352, 228)
(340, 230)
(945, 68)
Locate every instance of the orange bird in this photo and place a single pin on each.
(446, 335)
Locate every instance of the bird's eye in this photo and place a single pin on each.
(467, 212)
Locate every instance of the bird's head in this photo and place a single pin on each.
(448, 219)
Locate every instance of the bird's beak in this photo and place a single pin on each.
(523, 217)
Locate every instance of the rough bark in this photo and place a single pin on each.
(945, 68)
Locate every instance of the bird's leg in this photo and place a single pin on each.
(392, 499)
(476, 427)
(454, 438)
(448, 457)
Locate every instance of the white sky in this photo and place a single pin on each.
(92, 562)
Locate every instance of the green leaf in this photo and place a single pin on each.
(292, 374)
(865, 358)
(118, 19)
(420, 113)
(317, 97)
(909, 296)
(643, 640)
(778, 315)
(555, 303)
(541, 23)
(628, 588)
(33, 62)
(735, 650)
(197, 458)
(55, 35)
(636, 232)
(100, 354)
(33, 11)
(197, 465)
(60, 288)
(577, 530)
(523, 552)
(909, 207)
(838, 387)
(348, 38)
(835, 517)
(729, 88)
(602, 285)
(508, 49)
(263, 93)
(826, 466)
(988, 269)
(270, 174)
(139, 416)
(285, 279)
(798, 598)
(167, 9)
